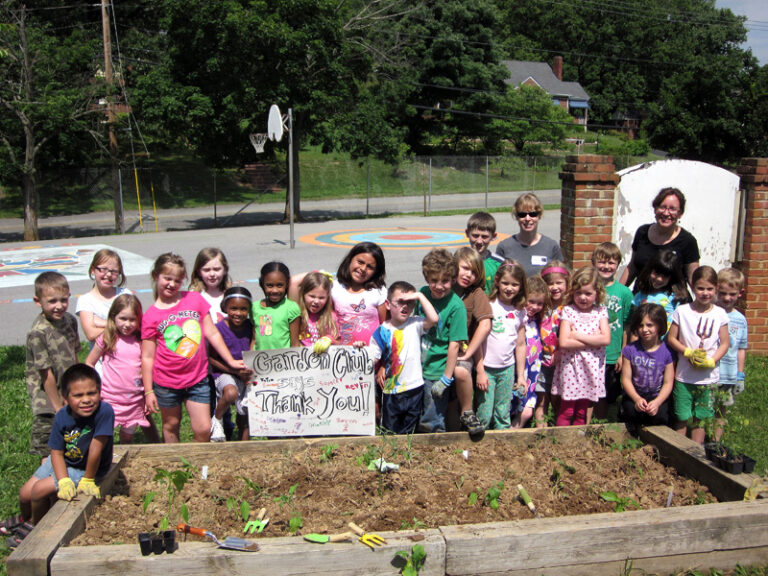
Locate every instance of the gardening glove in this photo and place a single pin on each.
(322, 345)
(705, 363)
(67, 489)
(88, 486)
(438, 388)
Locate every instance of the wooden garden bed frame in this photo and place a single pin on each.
(661, 540)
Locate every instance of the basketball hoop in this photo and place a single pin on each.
(258, 140)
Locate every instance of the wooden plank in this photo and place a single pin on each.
(599, 538)
(688, 458)
(287, 556)
(63, 522)
(678, 564)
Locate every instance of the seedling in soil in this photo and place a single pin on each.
(492, 496)
(460, 482)
(286, 498)
(620, 503)
(415, 525)
(414, 561)
(243, 508)
(295, 523)
(174, 480)
(257, 489)
(328, 452)
(368, 456)
(473, 498)
(628, 444)
(567, 467)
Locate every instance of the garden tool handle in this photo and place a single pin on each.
(187, 529)
(261, 514)
(356, 529)
(343, 537)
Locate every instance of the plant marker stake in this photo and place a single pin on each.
(669, 498)
(204, 472)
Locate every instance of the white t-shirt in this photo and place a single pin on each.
(89, 302)
(688, 320)
(401, 350)
(500, 346)
(357, 313)
(215, 302)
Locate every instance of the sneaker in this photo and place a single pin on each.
(217, 430)
(471, 422)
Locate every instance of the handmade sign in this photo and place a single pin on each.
(295, 392)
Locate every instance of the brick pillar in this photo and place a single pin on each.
(754, 182)
(586, 208)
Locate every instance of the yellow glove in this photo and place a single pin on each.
(322, 345)
(67, 489)
(706, 363)
(688, 353)
(88, 486)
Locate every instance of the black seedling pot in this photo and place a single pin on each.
(157, 543)
(169, 541)
(749, 464)
(145, 543)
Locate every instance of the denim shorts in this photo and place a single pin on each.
(172, 397)
(46, 469)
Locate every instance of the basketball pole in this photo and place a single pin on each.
(290, 175)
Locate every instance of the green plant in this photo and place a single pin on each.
(473, 498)
(295, 522)
(243, 508)
(460, 482)
(620, 503)
(369, 455)
(627, 444)
(286, 498)
(492, 496)
(415, 525)
(328, 452)
(414, 560)
(174, 481)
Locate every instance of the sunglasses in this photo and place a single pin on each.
(534, 214)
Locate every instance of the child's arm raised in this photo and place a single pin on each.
(293, 286)
(431, 317)
(148, 348)
(214, 338)
(51, 389)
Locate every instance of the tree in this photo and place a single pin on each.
(45, 92)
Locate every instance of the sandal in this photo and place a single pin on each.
(7, 526)
(13, 541)
(23, 530)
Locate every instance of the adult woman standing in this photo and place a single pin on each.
(668, 208)
(528, 247)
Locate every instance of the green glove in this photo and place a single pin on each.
(88, 486)
(67, 489)
(322, 345)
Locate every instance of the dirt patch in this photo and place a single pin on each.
(434, 486)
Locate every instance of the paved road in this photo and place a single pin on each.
(247, 249)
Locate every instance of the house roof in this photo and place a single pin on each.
(541, 74)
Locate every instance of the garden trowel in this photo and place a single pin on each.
(324, 538)
(230, 542)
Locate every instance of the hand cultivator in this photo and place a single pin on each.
(369, 539)
(704, 332)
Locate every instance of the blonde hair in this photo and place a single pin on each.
(528, 202)
(164, 261)
(472, 257)
(326, 325)
(517, 272)
(50, 281)
(732, 277)
(439, 263)
(205, 255)
(118, 305)
(102, 256)
(536, 285)
(586, 276)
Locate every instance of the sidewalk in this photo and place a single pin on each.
(102, 223)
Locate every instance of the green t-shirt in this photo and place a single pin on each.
(452, 327)
(491, 267)
(619, 303)
(273, 324)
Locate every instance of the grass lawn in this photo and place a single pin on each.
(17, 465)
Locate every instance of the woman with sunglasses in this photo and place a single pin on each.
(665, 233)
(528, 247)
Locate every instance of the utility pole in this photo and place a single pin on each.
(113, 150)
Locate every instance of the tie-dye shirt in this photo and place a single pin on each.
(400, 350)
(550, 331)
(532, 351)
(664, 299)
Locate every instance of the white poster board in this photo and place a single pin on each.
(711, 211)
(295, 392)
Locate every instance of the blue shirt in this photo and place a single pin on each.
(73, 436)
(737, 330)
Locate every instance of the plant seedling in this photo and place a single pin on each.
(620, 503)
(328, 452)
(174, 480)
(295, 523)
(414, 561)
(415, 525)
(473, 498)
(492, 496)
(286, 498)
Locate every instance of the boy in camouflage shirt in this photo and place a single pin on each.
(52, 347)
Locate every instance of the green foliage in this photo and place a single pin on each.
(414, 561)
(370, 454)
(620, 503)
(414, 525)
(174, 482)
(492, 496)
(295, 523)
(473, 498)
(288, 497)
(328, 451)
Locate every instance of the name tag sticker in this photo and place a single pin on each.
(538, 260)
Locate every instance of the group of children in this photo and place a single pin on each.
(481, 346)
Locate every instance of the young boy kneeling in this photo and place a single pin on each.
(80, 442)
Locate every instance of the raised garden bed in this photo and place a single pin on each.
(462, 538)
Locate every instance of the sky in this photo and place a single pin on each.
(757, 24)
